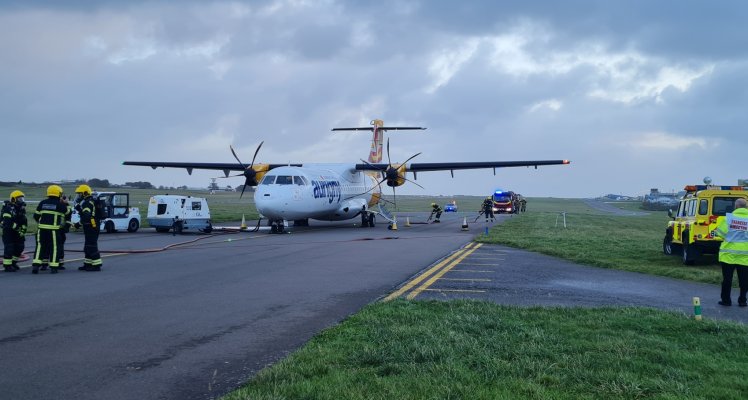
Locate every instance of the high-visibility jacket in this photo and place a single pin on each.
(733, 229)
(51, 213)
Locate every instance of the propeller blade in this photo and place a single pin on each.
(412, 157)
(243, 187)
(235, 156)
(389, 163)
(379, 185)
(408, 180)
(256, 151)
(368, 163)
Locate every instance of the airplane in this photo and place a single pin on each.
(332, 191)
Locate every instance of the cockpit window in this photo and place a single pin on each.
(284, 180)
(299, 180)
(268, 180)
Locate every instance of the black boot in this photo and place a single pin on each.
(84, 267)
(35, 269)
(16, 267)
(93, 268)
(9, 268)
(44, 267)
(53, 270)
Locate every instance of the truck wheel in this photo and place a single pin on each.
(109, 227)
(208, 229)
(133, 225)
(690, 251)
(669, 248)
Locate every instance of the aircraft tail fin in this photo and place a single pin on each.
(378, 129)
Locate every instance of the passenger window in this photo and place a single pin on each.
(196, 205)
(692, 208)
(703, 207)
(682, 209)
(268, 180)
(283, 180)
(723, 205)
(161, 209)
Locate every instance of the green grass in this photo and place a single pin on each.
(478, 350)
(631, 243)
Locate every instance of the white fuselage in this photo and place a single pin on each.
(329, 192)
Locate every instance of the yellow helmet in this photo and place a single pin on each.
(84, 189)
(54, 191)
(15, 194)
(433, 204)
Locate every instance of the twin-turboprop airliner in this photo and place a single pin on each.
(332, 192)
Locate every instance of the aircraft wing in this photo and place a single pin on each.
(189, 166)
(451, 166)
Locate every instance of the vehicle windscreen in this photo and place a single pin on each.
(501, 198)
(723, 205)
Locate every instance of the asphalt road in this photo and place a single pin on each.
(197, 320)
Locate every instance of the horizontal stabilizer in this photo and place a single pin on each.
(383, 128)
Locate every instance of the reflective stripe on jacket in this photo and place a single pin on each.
(734, 230)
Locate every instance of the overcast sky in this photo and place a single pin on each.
(637, 94)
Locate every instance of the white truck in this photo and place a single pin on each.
(117, 211)
(167, 212)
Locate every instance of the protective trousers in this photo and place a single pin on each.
(47, 242)
(91, 247)
(727, 272)
(488, 210)
(9, 249)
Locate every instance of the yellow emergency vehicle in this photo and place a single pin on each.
(690, 233)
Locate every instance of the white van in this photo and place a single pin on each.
(166, 212)
(117, 213)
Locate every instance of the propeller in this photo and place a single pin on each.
(249, 173)
(390, 175)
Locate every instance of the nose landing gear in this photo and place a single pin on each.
(277, 226)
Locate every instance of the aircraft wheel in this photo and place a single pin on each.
(372, 220)
(133, 225)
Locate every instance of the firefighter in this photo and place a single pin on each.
(436, 213)
(89, 219)
(14, 230)
(64, 233)
(522, 205)
(733, 252)
(50, 216)
(487, 207)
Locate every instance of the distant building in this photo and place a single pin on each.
(657, 200)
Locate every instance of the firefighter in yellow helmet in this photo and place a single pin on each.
(436, 213)
(86, 206)
(487, 208)
(50, 216)
(14, 224)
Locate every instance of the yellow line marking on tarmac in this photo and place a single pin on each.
(466, 279)
(438, 275)
(455, 290)
(472, 270)
(470, 263)
(426, 274)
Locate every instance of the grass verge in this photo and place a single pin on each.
(478, 350)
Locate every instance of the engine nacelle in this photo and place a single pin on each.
(395, 175)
